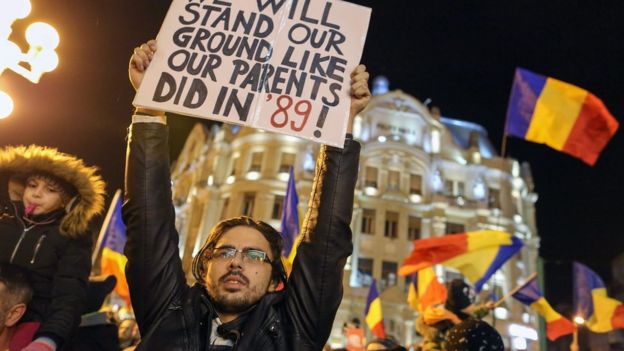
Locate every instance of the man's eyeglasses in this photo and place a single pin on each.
(247, 255)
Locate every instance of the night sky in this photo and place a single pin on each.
(460, 54)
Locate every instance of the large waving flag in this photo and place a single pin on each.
(425, 290)
(477, 254)
(556, 325)
(567, 118)
(372, 313)
(113, 240)
(601, 313)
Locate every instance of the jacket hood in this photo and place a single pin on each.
(23, 160)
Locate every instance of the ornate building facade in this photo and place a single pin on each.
(421, 175)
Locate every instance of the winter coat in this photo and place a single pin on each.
(56, 253)
(173, 316)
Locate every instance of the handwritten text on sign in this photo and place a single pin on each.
(280, 65)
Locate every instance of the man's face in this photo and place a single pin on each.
(237, 283)
(41, 196)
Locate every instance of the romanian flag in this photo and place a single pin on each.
(425, 290)
(113, 240)
(601, 313)
(556, 325)
(290, 223)
(565, 117)
(372, 313)
(477, 254)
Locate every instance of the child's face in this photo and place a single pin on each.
(41, 196)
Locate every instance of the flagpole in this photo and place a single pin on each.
(574, 344)
(109, 214)
(504, 145)
(499, 302)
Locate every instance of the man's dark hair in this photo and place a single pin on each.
(16, 285)
(270, 234)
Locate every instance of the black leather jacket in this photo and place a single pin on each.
(173, 316)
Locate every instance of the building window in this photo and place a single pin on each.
(233, 169)
(493, 198)
(391, 225)
(454, 188)
(224, 209)
(452, 228)
(388, 274)
(256, 162)
(448, 187)
(413, 228)
(278, 207)
(248, 204)
(415, 184)
(459, 189)
(288, 160)
(394, 180)
(365, 271)
(371, 177)
(368, 221)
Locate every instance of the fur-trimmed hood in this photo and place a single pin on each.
(16, 160)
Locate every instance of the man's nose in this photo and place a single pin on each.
(237, 260)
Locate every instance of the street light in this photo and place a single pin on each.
(6, 105)
(41, 56)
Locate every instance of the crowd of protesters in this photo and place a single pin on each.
(242, 298)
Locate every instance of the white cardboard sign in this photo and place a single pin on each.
(278, 65)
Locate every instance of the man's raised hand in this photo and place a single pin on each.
(140, 60)
(360, 93)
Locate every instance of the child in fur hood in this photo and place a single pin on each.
(47, 199)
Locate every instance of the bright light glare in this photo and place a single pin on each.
(6, 105)
(45, 61)
(42, 35)
(520, 343)
(10, 54)
(579, 320)
(17, 8)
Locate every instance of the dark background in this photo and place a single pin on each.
(461, 54)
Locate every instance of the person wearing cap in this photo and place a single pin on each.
(47, 199)
(461, 301)
(435, 322)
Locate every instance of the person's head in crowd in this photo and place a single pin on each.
(15, 293)
(385, 344)
(128, 333)
(53, 184)
(460, 297)
(474, 335)
(240, 263)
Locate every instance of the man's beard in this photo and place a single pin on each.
(231, 304)
(227, 302)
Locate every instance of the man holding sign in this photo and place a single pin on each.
(242, 299)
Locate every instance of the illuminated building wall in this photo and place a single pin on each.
(421, 175)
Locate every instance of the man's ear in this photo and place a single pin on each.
(15, 314)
